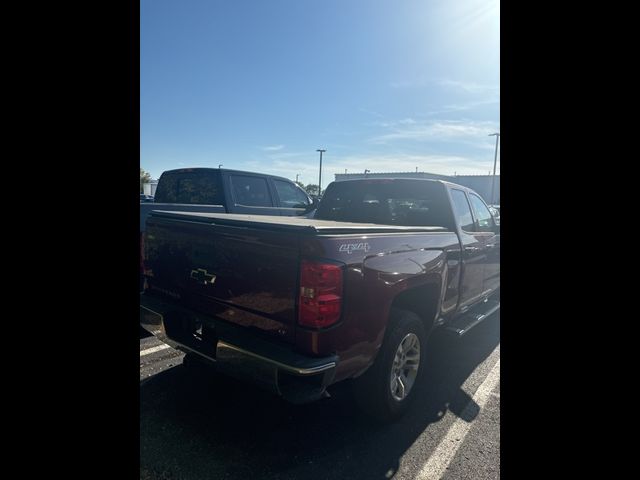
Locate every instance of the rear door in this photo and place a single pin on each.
(486, 228)
(473, 251)
(250, 194)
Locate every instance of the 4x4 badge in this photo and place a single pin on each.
(202, 276)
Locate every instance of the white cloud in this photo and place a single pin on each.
(456, 107)
(273, 148)
(402, 162)
(449, 84)
(469, 87)
(394, 123)
(437, 130)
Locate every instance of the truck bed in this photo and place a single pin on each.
(245, 268)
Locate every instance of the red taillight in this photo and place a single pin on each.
(320, 300)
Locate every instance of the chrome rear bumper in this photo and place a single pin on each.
(237, 352)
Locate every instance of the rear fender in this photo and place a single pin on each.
(391, 277)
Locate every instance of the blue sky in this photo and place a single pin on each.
(260, 85)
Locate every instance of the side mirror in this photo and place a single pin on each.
(313, 205)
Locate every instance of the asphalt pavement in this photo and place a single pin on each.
(196, 424)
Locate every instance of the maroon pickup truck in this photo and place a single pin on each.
(297, 304)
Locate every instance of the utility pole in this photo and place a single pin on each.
(320, 177)
(297, 175)
(495, 160)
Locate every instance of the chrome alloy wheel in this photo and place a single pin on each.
(405, 367)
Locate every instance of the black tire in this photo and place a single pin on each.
(372, 389)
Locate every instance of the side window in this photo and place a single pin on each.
(462, 210)
(200, 188)
(250, 191)
(290, 195)
(483, 215)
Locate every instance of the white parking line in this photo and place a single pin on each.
(153, 349)
(441, 458)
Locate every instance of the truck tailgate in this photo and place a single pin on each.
(242, 275)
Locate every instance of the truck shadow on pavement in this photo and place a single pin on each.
(197, 424)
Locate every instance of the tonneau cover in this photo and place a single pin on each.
(297, 224)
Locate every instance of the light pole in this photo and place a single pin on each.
(220, 166)
(495, 160)
(320, 177)
(297, 175)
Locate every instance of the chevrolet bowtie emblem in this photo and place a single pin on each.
(202, 276)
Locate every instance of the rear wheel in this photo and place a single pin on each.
(387, 389)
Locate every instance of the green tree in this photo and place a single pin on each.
(145, 177)
(311, 189)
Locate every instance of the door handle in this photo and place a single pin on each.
(491, 245)
(471, 249)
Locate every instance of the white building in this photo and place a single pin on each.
(150, 188)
